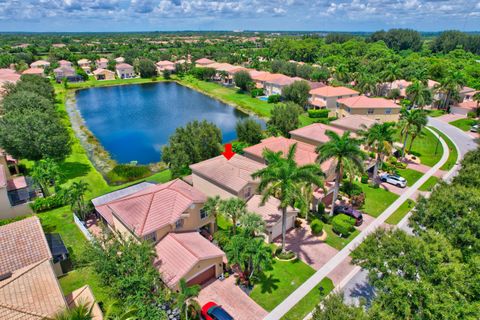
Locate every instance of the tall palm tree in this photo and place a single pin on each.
(75, 196)
(379, 138)
(211, 207)
(367, 84)
(233, 209)
(451, 86)
(419, 94)
(341, 149)
(411, 120)
(283, 179)
(185, 295)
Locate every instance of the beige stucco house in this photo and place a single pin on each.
(40, 64)
(326, 97)
(124, 71)
(102, 63)
(104, 74)
(379, 109)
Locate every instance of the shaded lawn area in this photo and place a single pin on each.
(276, 284)
(85, 275)
(426, 146)
(411, 175)
(429, 184)
(336, 241)
(398, 215)
(310, 301)
(464, 124)
(453, 155)
(376, 199)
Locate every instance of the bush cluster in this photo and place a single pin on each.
(317, 226)
(318, 113)
(128, 172)
(274, 98)
(45, 204)
(343, 224)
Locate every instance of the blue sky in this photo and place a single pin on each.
(171, 15)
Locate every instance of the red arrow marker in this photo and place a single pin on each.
(228, 153)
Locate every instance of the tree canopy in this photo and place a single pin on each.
(284, 118)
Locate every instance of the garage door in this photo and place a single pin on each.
(203, 277)
(277, 228)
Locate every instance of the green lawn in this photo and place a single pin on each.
(435, 113)
(428, 147)
(453, 155)
(310, 301)
(464, 124)
(336, 241)
(401, 212)
(85, 275)
(376, 199)
(411, 175)
(428, 185)
(92, 82)
(277, 284)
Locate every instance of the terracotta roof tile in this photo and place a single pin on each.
(329, 91)
(316, 132)
(270, 211)
(204, 61)
(367, 102)
(353, 122)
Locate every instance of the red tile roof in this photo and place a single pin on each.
(467, 105)
(152, 208)
(17, 183)
(329, 91)
(315, 132)
(178, 253)
(281, 79)
(164, 63)
(367, 102)
(33, 71)
(204, 61)
(123, 66)
(270, 211)
(353, 122)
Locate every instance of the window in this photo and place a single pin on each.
(370, 111)
(150, 237)
(203, 214)
(179, 224)
(388, 111)
(248, 192)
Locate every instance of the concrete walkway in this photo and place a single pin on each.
(315, 279)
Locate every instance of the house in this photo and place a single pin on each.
(353, 123)
(314, 134)
(226, 178)
(165, 65)
(102, 63)
(29, 288)
(119, 60)
(84, 64)
(65, 72)
(203, 62)
(40, 64)
(272, 215)
(380, 109)
(35, 71)
(326, 97)
(190, 256)
(466, 94)
(65, 63)
(104, 74)
(7, 76)
(124, 71)
(275, 83)
(229, 70)
(400, 85)
(170, 215)
(16, 192)
(259, 77)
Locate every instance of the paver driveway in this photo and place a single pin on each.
(236, 302)
(309, 248)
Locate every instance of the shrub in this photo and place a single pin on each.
(287, 255)
(364, 179)
(318, 113)
(321, 208)
(401, 165)
(222, 238)
(332, 118)
(471, 114)
(52, 202)
(274, 98)
(128, 172)
(351, 189)
(238, 146)
(322, 120)
(256, 92)
(298, 223)
(343, 224)
(392, 160)
(317, 226)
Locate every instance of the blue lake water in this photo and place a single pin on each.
(133, 122)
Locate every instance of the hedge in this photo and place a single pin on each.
(318, 113)
(52, 202)
(128, 172)
(343, 224)
(274, 98)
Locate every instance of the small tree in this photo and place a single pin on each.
(75, 196)
(297, 92)
(83, 311)
(186, 294)
(249, 131)
(146, 68)
(252, 224)
(284, 118)
(45, 173)
(233, 209)
(242, 80)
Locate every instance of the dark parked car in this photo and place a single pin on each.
(349, 211)
(212, 311)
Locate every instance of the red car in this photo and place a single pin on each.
(212, 311)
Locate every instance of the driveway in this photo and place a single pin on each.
(236, 302)
(309, 248)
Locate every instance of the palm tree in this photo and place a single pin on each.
(451, 86)
(390, 74)
(283, 179)
(341, 149)
(419, 94)
(411, 120)
(211, 207)
(379, 138)
(44, 173)
(185, 295)
(342, 73)
(128, 314)
(83, 311)
(367, 84)
(252, 224)
(233, 209)
(75, 196)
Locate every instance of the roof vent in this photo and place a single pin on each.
(5, 276)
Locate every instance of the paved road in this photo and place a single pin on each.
(462, 140)
(315, 279)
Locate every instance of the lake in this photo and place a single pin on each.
(133, 122)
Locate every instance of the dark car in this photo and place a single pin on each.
(212, 311)
(349, 211)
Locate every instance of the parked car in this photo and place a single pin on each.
(212, 311)
(394, 179)
(349, 211)
(474, 128)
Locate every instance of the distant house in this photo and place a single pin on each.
(59, 45)
(203, 62)
(326, 97)
(119, 60)
(29, 288)
(259, 77)
(7, 76)
(124, 71)
(35, 71)
(165, 65)
(466, 104)
(275, 83)
(65, 63)
(68, 73)
(40, 64)
(353, 123)
(84, 64)
(102, 63)
(400, 85)
(380, 109)
(16, 191)
(104, 74)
